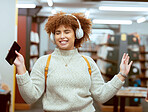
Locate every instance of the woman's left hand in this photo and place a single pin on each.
(124, 66)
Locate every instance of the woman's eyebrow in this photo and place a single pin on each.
(66, 30)
(57, 31)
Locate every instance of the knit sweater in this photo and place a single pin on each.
(69, 88)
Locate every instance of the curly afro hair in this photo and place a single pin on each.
(62, 19)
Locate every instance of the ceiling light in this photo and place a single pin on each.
(97, 21)
(25, 5)
(141, 20)
(50, 3)
(43, 1)
(111, 8)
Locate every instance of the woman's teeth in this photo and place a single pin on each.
(63, 42)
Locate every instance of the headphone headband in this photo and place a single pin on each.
(76, 19)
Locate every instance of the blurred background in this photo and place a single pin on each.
(118, 26)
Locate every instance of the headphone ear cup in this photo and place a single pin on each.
(52, 38)
(79, 33)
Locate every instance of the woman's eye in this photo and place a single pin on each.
(67, 32)
(57, 33)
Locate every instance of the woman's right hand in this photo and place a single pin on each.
(19, 59)
(19, 63)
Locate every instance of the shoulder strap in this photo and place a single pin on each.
(47, 65)
(46, 69)
(88, 64)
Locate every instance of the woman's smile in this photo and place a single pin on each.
(64, 42)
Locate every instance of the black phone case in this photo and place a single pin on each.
(11, 55)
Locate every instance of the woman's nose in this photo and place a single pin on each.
(62, 35)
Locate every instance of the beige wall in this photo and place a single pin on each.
(7, 36)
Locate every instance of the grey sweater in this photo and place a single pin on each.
(69, 88)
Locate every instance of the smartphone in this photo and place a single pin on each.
(11, 54)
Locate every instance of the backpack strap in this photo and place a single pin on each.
(47, 65)
(88, 64)
(46, 69)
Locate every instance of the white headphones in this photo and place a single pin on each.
(79, 31)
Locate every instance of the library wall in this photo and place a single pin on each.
(141, 28)
(8, 35)
(44, 40)
(45, 43)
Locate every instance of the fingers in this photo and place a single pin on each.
(125, 58)
(18, 54)
(130, 63)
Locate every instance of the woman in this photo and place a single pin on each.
(69, 87)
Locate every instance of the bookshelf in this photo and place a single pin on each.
(144, 66)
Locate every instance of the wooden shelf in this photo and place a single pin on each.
(144, 68)
(34, 56)
(144, 78)
(111, 45)
(143, 60)
(144, 52)
(34, 43)
(94, 57)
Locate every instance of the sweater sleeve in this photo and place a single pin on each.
(100, 90)
(32, 87)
